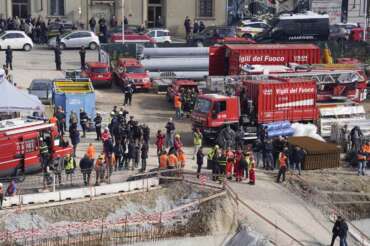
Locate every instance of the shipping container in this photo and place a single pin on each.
(228, 59)
(73, 96)
(276, 99)
(319, 154)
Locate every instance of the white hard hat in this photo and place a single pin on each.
(1, 185)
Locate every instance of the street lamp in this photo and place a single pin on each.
(123, 22)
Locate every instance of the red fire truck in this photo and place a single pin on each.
(20, 145)
(266, 101)
(130, 70)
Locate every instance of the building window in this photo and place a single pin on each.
(205, 8)
(56, 7)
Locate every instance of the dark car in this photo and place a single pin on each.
(42, 88)
(212, 34)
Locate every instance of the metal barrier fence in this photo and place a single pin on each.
(132, 228)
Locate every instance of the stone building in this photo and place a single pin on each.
(172, 12)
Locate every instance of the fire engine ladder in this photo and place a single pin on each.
(326, 77)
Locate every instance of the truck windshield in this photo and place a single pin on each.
(202, 105)
(135, 70)
(100, 70)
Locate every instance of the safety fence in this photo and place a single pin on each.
(126, 229)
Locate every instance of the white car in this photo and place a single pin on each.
(17, 40)
(76, 39)
(249, 29)
(160, 35)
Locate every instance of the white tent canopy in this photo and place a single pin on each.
(13, 99)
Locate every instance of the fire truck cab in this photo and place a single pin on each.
(130, 70)
(20, 141)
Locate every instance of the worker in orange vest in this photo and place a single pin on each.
(53, 120)
(172, 161)
(163, 160)
(282, 163)
(100, 168)
(230, 161)
(91, 152)
(177, 104)
(181, 158)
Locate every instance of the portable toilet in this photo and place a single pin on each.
(73, 96)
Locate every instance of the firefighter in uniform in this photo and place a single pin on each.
(44, 153)
(212, 162)
(221, 161)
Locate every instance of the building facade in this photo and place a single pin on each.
(172, 12)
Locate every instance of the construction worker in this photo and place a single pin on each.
(177, 104)
(282, 164)
(198, 137)
(99, 169)
(69, 166)
(181, 158)
(91, 152)
(362, 156)
(86, 165)
(200, 157)
(45, 156)
(212, 162)
(221, 162)
(172, 160)
(230, 161)
(163, 160)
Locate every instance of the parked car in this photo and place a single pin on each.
(17, 40)
(249, 29)
(131, 37)
(160, 35)
(347, 26)
(55, 28)
(76, 39)
(338, 33)
(211, 33)
(43, 89)
(99, 73)
(218, 34)
(130, 70)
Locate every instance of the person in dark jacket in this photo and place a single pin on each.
(86, 166)
(146, 133)
(196, 27)
(118, 153)
(58, 59)
(343, 230)
(267, 155)
(61, 117)
(83, 121)
(108, 147)
(144, 155)
(128, 90)
(74, 134)
(9, 57)
(356, 138)
(201, 26)
(298, 157)
(200, 158)
(98, 120)
(92, 24)
(131, 155)
(335, 230)
(83, 57)
(187, 25)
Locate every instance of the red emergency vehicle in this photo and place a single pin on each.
(260, 102)
(131, 37)
(130, 70)
(99, 73)
(20, 145)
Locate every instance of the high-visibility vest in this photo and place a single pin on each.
(163, 161)
(222, 160)
(44, 149)
(91, 152)
(177, 102)
(70, 164)
(197, 138)
(211, 153)
(282, 159)
(172, 160)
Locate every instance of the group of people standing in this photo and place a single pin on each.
(195, 27)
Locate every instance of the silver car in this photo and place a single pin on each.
(42, 88)
(76, 39)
